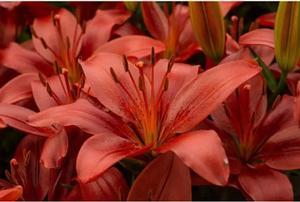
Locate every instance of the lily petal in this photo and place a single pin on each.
(282, 150)
(134, 45)
(258, 37)
(17, 89)
(82, 114)
(206, 92)
(41, 96)
(16, 116)
(164, 178)
(11, 194)
(100, 152)
(27, 62)
(98, 30)
(44, 28)
(108, 92)
(281, 117)
(266, 185)
(210, 162)
(111, 185)
(155, 20)
(54, 150)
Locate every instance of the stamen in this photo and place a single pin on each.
(152, 56)
(33, 32)
(170, 64)
(57, 69)
(166, 84)
(141, 84)
(42, 79)
(113, 74)
(53, 95)
(43, 42)
(125, 63)
(234, 27)
(68, 43)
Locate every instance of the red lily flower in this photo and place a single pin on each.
(30, 180)
(260, 40)
(259, 143)
(145, 113)
(175, 31)
(60, 40)
(28, 176)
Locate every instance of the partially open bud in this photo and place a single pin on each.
(208, 26)
(131, 5)
(287, 35)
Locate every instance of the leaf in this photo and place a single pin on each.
(164, 178)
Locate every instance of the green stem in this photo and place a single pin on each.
(267, 74)
(280, 87)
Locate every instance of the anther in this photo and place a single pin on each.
(43, 42)
(57, 69)
(42, 79)
(68, 43)
(139, 64)
(113, 74)
(166, 84)
(170, 64)
(33, 32)
(125, 63)
(49, 90)
(152, 56)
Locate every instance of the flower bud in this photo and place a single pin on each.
(131, 5)
(208, 26)
(287, 35)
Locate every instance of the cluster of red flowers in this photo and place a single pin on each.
(114, 111)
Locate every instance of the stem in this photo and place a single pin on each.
(280, 87)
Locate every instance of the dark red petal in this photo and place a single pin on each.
(164, 178)
(37, 178)
(100, 152)
(155, 20)
(266, 185)
(279, 118)
(54, 150)
(211, 162)
(282, 150)
(111, 185)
